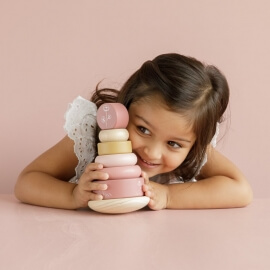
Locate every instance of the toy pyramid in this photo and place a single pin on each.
(124, 193)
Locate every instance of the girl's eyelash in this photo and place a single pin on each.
(142, 129)
(172, 144)
(145, 131)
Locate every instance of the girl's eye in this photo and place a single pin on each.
(174, 144)
(143, 130)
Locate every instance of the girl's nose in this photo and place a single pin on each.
(153, 151)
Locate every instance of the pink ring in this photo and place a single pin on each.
(123, 188)
(123, 172)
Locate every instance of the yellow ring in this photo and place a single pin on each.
(110, 148)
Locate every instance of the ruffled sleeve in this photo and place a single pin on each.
(80, 125)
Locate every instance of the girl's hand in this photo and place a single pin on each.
(157, 193)
(83, 191)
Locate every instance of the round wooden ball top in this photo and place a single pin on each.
(112, 115)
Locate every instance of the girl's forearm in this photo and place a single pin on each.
(44, 190)
(214, 192)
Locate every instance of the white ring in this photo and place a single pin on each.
(117, 160)
(113, 135)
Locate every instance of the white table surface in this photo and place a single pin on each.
(43, 238)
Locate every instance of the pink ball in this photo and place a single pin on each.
(112, 115)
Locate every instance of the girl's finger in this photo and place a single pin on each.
(146, 179)
(96, 186)
(93, 175)
(90, 196)
(148, 194)
(93, 167)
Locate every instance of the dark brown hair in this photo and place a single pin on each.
(198, 91)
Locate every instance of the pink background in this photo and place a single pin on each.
(52, 51)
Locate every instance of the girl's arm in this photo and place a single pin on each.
(44, 182)
(221, 185)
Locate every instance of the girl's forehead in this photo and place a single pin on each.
(157, 100)
(156, 113)
(152, 99)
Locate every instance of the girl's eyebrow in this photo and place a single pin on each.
(144, 120)
(181, 139)
(149, 124)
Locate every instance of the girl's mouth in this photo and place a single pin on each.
(145, 163)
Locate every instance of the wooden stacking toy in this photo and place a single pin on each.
(124, 193)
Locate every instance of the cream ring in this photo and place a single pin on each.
(123, 172)
(113, 135)
(109, 148)
(123, 188)
(112, 115)
(117, 160)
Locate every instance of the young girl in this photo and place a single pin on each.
(175, 105)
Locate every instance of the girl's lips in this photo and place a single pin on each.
(146, 163)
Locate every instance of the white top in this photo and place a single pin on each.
(80, 126)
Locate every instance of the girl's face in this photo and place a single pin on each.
(160, 138)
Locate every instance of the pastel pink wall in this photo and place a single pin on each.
(52, 51)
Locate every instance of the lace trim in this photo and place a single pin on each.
(80, 126)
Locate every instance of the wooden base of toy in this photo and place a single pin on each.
(119, 206)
